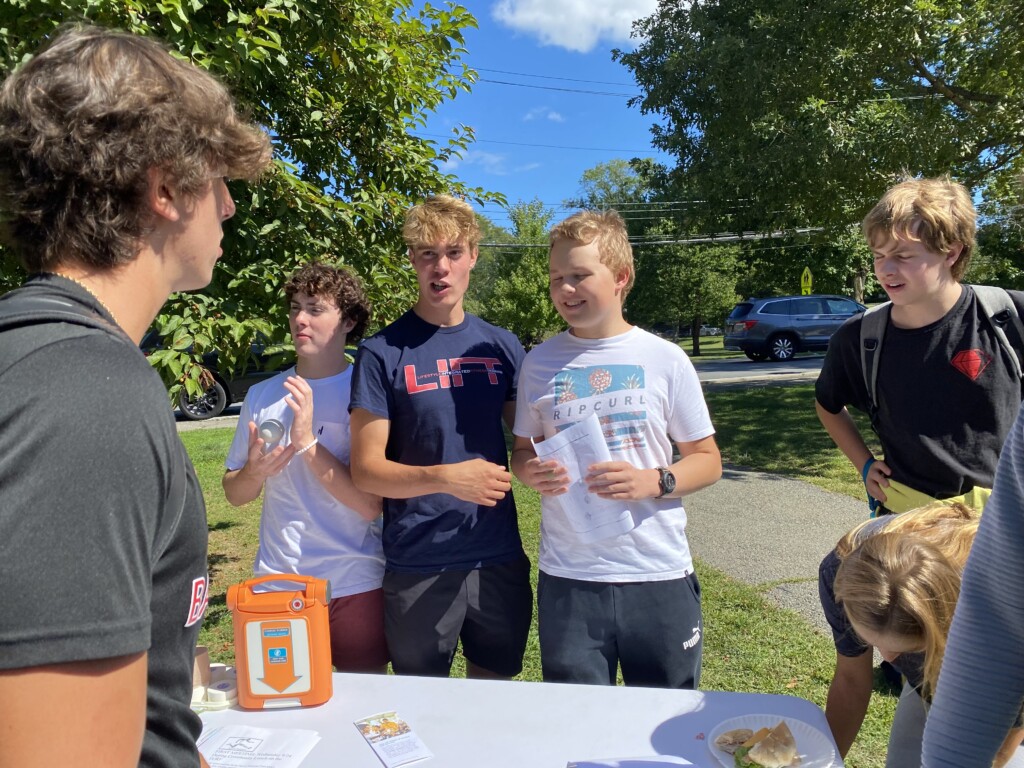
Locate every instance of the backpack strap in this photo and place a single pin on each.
(1002, 314)
(872, 333)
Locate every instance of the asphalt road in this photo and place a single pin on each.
(740, 370)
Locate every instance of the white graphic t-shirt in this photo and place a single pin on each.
(645, 392)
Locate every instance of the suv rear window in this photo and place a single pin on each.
(740, 310)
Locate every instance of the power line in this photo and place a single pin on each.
(720, 237)
(552, 77)
(563, 90)
(647, 151)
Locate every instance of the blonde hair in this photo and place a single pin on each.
(937, 212)
(441, 218)
(609, 231)
(905, 580)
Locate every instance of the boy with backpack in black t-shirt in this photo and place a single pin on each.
(946, 387)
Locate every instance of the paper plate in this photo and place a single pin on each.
(655, 761)
(814, 747)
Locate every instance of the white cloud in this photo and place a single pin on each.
(489, 162)
(578, 25)
(494, 163)
(543, 113)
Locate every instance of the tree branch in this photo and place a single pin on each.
(959, 96)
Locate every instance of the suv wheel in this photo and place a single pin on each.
(782, 347)
(209, 404)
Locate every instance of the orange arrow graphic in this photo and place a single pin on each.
(278, 660)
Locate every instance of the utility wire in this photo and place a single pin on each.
(563, 90)
(552, 77)
(647, 151)
(722, 237)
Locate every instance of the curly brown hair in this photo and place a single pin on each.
(339, 284)
(84, 121)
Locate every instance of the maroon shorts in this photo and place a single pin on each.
(357, 632)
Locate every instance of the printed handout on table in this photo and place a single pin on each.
(241, 746)
(392, 739)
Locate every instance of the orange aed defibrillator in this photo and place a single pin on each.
(282, 642)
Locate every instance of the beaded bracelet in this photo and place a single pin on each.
(303, 450)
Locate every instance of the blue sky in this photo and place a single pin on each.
(534, 141)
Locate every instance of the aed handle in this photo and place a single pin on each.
(315, 589)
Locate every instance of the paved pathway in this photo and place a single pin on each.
(770, 530)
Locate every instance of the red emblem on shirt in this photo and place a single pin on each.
(971, 362)
(197, 603)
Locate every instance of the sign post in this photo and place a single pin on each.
(805, 282)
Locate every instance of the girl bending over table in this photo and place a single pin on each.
(892, 583)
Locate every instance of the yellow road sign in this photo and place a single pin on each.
(805, 282)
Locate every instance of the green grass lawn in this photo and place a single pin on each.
(710, 349)
(749, 644)
(775, 429)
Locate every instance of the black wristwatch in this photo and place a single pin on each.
(666, 482)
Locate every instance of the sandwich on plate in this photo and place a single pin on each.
(767, 748)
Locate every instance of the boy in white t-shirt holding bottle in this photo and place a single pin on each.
(631, 599)
(315, 521)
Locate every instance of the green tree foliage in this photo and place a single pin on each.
(683, 285)
(341, 85)
(785, 113)
(840, 262)
(510, 285)
(676, 285)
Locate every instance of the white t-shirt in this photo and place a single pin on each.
(647, 396)
(303, 529)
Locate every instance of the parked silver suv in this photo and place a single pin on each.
(780, 326)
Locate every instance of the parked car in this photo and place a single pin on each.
(780, 326)
(710, 330)
(224, 390)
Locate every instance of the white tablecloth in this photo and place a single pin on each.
(475, 723)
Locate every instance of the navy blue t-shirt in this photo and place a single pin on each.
(443, 390)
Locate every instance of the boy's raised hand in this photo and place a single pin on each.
(262, 465)
(546, 476)
(621, 480)
(300, 400)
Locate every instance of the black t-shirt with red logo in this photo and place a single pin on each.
(102, 556)
(947, 396)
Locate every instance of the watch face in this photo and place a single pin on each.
(668, 482)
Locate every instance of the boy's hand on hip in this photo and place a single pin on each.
(546, 476)
(621, 480)
(478, 481)
(878, 480)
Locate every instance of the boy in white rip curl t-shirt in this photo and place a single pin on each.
(630, 599)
